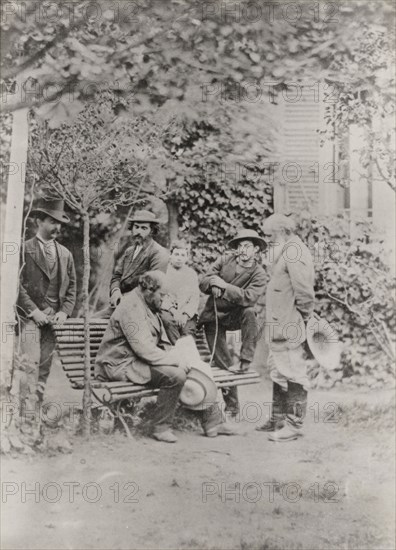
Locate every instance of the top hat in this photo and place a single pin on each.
(247, 235)
(51, 207)
(143, 216)
(199, 391)
(323, 342)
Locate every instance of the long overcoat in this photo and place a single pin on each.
(290, 295)
(135, 339)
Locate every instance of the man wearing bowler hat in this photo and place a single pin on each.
(234, 282)
(289, 305)
(47, 289)
(144, 254)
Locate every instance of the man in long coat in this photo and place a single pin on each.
(47, 290)
(136, 348)
(144, 254)
(289, 304)
(234, 282)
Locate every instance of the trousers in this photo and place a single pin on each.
(175, 332)
(240, 318)
(38, 344)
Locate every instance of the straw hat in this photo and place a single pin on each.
(323, 342)
(199, 391)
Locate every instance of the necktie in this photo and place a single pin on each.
(50, 253)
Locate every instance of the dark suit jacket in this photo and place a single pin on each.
(243, 290)
(127, 271)
(135, 339)
(35, 280)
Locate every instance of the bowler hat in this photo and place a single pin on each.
(199, 391)
(323, 342)
(143, 216)
(51, 207)
(247, 235)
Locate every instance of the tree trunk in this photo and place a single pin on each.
(87, 351)
(173, 226)
(11, 245)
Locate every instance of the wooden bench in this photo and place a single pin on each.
(117, 397)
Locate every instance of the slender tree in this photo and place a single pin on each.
(99, 162)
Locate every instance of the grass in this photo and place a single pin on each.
(364, 415)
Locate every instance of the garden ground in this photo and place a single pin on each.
(331, 489)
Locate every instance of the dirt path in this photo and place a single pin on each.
(229, 492)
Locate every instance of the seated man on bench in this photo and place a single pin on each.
(234, 282)
(135, 348)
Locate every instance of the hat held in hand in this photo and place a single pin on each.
(199, 391)
(323, 342)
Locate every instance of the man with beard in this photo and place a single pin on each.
(143, 255)
(235, 282)
(47, 290)
(289, 304)
(181, 312)
(136, 348)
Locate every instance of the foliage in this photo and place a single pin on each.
(217, 173)
(155, 51)
(355, 292)
(100, 161)
(362, 76)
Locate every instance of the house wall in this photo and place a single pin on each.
(311, 168)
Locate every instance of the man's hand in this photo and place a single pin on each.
(115, 297)
(217, 281)
(184, 366)
(180, 319)
(216, 292)
(39, 318)
(59, 318)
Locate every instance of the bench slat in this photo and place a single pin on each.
(70, 346)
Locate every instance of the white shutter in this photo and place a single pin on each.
(300, 174)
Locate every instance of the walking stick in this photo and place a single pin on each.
(216, 332)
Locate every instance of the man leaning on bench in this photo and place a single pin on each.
(140, 344)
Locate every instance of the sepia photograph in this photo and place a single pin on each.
(198, 330)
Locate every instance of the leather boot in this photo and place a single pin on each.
(296, 407)
(276, 421)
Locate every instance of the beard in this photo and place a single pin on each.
(139, 240)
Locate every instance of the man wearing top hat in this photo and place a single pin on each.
(289, 305)
(47, 289)
(234, 282)
(144, 254)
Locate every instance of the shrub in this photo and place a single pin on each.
(355, 291)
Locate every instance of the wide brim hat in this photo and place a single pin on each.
(247, 235)
(52, 207)
(199, 391)
(143, 216)
(323, 342)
